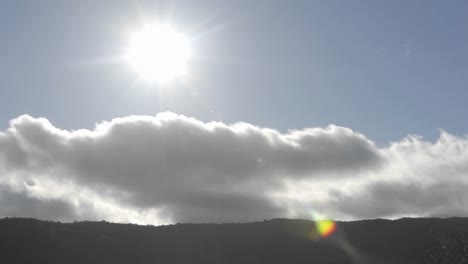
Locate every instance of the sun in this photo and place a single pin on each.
(159, 53)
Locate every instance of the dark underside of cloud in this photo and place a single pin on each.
(169, 168)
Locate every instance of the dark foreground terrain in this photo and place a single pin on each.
(401, 241)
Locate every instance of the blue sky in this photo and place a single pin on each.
(384, 68)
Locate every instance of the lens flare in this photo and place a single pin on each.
(325, 227)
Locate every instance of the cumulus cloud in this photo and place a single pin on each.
(415, 198)
(170, 168)
(19, 204)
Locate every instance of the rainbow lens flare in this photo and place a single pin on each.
(325, 228)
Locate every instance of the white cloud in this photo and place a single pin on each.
(168, 167)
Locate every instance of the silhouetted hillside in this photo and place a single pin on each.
(275, 241)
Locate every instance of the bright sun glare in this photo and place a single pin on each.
(159, 53)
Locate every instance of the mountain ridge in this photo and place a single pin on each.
(405, 240)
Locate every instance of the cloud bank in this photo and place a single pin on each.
(171, 168)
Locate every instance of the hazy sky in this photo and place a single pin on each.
(378, 70)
